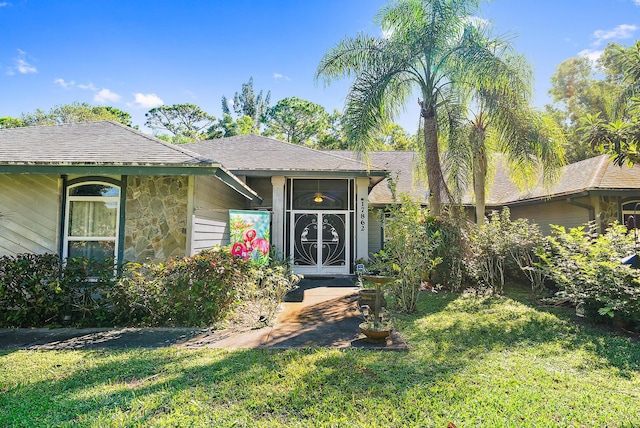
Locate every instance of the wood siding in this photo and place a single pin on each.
(29, 214)
(551, 212)
(375, 230)
(210, 222)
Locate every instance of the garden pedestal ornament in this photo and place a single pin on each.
(374, 329)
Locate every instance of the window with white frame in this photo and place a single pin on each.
(91, 220)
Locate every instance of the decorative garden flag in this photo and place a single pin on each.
(250, 235)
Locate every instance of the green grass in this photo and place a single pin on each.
(477, 362)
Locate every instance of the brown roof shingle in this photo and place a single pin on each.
(96, 143)
(254, 153)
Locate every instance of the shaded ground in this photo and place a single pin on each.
(321, 312)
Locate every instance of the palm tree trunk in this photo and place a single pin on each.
(479, 183)
(435, 179)
(479, 171)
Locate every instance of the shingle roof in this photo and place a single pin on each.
(255, 153)
(597, 173)
(401, 162)
(97, 143)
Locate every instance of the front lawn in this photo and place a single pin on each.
(473, 361)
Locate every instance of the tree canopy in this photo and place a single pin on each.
(247, 103)
(297, 121)
(425, 55)
(185, 120)
(619, 132)
(68, 113)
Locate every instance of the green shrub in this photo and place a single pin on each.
(258, 302)
(31, 293)
(191, 291)
(409, 253)
(502, 248)
(587, 269)
(448, 233)
(38, 290)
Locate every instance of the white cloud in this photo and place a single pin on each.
(105, 95)
(280, 76)
(591, 54)
(21, 65)
(637, 2)
(89, 87)
(64, 83)
(5, 4)
(623, 31)
(24, 67)
(148, 100)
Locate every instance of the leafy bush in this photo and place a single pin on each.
(502, 248)
(38, 290)
(87, 284)
(197, 290)
(258, 302)
(409, 254)
(448, 232)
(31, 292)
(587, 269)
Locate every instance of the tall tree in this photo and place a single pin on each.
(580, 87)
(422, 51)
(501, 121)
(73, 113)
(619, 136)
(247, 103)
(186, 120)
(297, 121)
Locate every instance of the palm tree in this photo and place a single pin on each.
(424, 49)
(501, 121)
(620, 137)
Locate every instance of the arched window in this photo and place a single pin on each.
(631, 214)
(91, 224)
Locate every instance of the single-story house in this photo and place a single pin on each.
(102, 189)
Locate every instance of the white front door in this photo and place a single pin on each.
(319, 242)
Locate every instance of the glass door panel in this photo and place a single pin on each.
(305, 241)
(333, 240)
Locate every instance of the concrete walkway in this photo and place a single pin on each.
(320, 313)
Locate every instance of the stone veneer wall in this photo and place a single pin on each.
(156, 218)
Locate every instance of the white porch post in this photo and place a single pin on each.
(362, 218)
(277, 220)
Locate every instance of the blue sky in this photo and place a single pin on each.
(138, 54)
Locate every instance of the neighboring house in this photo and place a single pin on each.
(318, 200)
(101, 189)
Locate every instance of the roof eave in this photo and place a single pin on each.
(236, 184)
(111, 168)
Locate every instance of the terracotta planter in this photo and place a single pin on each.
(374, 336)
